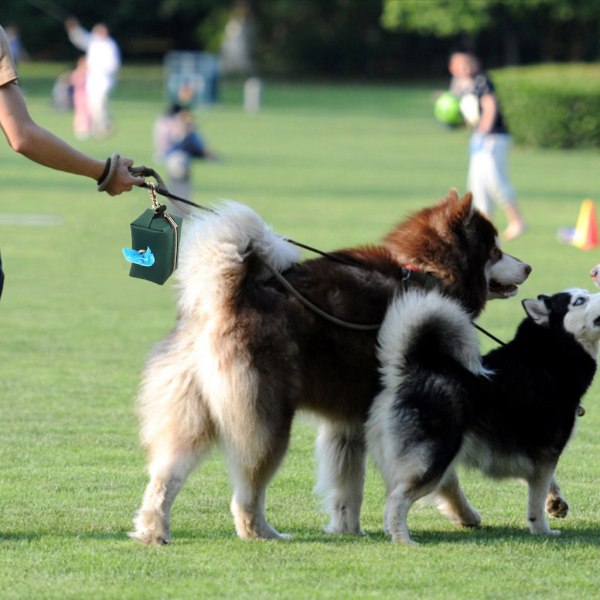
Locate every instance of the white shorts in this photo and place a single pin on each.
(488, 172)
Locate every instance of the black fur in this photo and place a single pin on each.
(513, 423)
(259, 354)
(529, 403)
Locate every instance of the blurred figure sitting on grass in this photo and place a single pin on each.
(39, 145)
(176, 143)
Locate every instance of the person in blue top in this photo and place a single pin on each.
(176, 143)
(490, 141)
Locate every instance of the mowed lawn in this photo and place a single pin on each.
(328, 165)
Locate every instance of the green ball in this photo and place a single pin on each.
(447, 110)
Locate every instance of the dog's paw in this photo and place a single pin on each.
(557, 507)
(341, 523)
(404, 540)
(538, 527)
(150, 539)
(470, 518)
(464, 515)
(266, 532)
(273, 534)
(550, 532)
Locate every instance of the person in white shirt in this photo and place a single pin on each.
(103, 63)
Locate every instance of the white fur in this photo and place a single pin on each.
(478, 455)
(213, 249)
(406, 315)
(580, 320)
(340, 452)
(507, 272)
(199, 380)
(200, 387)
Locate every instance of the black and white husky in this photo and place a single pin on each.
(509, 414)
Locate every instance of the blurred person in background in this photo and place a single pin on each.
(103, 60)
(177, 142)
(490, 141)
(37, 144)
(82, 118)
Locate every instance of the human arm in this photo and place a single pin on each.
(79, 37)
(489, 110)
(43, 147)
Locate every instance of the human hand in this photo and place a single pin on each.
(476, 143)
(71, 23)
(121, 179)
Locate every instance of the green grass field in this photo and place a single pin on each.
(329, 165)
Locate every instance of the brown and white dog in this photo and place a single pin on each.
(245, 354)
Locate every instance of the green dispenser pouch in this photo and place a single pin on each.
(159, 232)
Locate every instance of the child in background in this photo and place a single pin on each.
(176, 143)
(82, 119)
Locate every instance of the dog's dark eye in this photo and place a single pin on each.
(579, 301)
(496, 254)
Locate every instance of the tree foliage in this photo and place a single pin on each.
(562, 28)
(329, 37)
(439, 17)
(142, 27)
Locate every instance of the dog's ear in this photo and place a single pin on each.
(464, 209)
(468, 210)
(537, 310)
(467, 204)
(451, 198)
(453, 195)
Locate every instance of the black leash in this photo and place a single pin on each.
(491, 336)
(163, 191)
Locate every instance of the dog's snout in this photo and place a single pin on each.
(525, 271)
(594, 273)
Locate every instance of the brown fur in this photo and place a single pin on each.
(245, 356)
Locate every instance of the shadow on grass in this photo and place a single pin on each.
(483, 536)
(588, 536)
(493, 535)
(18, 536)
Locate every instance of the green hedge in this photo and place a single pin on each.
(551, 106)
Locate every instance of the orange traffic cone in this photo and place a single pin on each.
(586, 230)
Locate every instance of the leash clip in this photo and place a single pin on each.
(157, 207)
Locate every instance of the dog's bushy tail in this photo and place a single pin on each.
(427, 328)
(214, 254)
